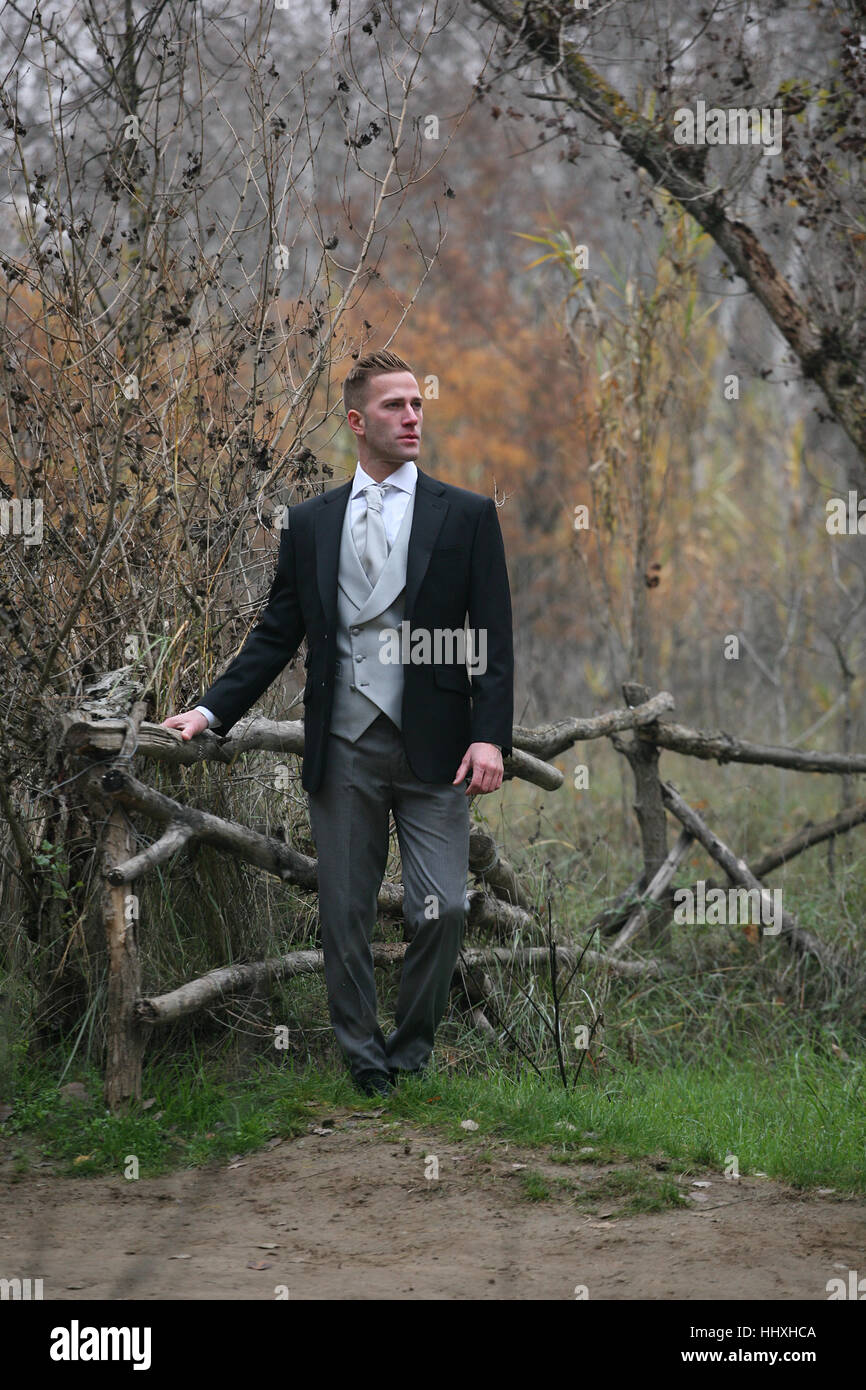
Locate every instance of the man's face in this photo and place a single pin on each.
(390, 423)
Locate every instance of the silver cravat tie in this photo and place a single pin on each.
(368, 531)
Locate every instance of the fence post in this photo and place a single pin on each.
(126, 1038)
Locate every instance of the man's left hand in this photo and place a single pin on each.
(485, 762)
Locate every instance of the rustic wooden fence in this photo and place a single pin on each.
(108, 741)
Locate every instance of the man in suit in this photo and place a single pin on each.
(391, 551)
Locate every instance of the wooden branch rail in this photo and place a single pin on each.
(230, 980)
(549, 740)
(609, 919)
(805, 838)
(725, 748)
(649, 803)
(655, 890)
(82, 735)
(186, 824)
(803, 942)
(808, 836)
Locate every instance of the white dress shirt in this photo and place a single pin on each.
(396, 492)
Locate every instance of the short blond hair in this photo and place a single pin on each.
(374, 364)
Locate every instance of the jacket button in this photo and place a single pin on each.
(355, 631)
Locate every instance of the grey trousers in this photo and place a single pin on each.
(363, 781)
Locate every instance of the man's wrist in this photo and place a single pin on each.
(209, 716)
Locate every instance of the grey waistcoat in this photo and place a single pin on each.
(364, 685)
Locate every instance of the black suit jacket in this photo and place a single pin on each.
(455, 565)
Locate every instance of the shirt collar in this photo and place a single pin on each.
(404, 477)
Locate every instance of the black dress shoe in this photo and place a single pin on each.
(373, 1083)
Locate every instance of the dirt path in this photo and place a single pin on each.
(351, 1214)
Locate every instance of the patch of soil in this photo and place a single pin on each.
(351, 1214)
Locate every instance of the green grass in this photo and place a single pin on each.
(195, 1118)
(800, 1120)
(535, 1187)
(629, 1192)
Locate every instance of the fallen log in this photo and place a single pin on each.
(492, 914)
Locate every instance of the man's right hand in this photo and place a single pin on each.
(190, 723)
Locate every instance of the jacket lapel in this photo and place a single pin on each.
(329, 529)
(431, 510)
